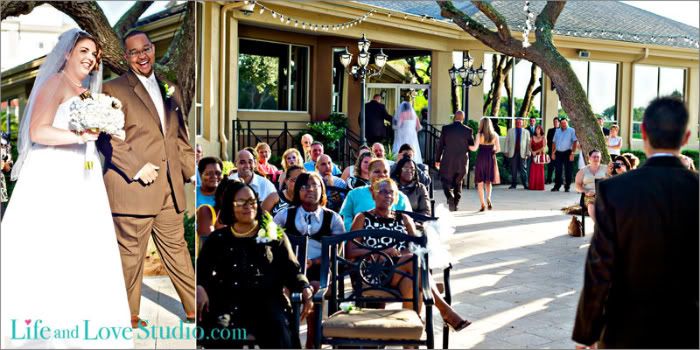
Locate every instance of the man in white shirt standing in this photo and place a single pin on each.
(245, 171)
(145, 174)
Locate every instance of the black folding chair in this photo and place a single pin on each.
(299, 246)
(372, 327)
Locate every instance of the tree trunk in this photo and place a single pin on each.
(412, 68)
(543, 53)
(178, 63)
(130, 17)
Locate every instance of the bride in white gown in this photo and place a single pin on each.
(61, 267)
(406, 126)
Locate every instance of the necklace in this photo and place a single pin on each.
(71, 81)
(245, 234)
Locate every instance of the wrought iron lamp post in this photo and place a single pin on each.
(469, 75)
(361, 72)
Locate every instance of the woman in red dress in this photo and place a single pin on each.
(538, 159)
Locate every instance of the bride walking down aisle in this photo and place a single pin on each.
(61, 269)
(406, 126)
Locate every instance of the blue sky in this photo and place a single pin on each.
(115, 9)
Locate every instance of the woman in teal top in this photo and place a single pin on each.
(210, 170)
(360, 199)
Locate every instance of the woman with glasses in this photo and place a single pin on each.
(385, 194)
(309, 217)
(585, 180)
(405, 174)
(241, 272)
(275, 202)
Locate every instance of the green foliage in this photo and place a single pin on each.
(338, 119)
(609, 113)
(325, 132)
(638, 114)
(14, 125)
(639, 154)
(258, 81)
(276, 160)
(189, 223)
(228, 167)
(474, 125)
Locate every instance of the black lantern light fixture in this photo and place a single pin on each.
(469, 76)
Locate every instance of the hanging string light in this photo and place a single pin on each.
(311, 26)
(529, 16)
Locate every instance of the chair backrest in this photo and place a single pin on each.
(417, 217)
(299, 246)
(372, 271)
(334, 192)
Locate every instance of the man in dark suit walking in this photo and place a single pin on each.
(375, 115)
(453, 158)
(641, 277)
(550, 140)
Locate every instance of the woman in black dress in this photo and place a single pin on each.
(406, 175)
(241, 272)
(385, 193)
(275, 202)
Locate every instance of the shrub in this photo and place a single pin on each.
(694, 155)
(189, 223)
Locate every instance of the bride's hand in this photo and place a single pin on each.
(88, 136)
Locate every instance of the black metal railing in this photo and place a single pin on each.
(429, 137)
(347, 149)
(278, 134)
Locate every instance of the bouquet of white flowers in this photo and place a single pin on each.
(97, 113)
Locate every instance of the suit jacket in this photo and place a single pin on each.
(453, 149)
(145, 142)
(550, 139)
(641, 276)
(524, 143)
(531, 130)
(375, 115)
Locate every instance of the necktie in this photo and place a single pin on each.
(308, 224)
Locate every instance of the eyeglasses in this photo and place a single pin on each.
(292, 179)
(135, 53)
(243, 202)
(408, 170)
(311, 187)
(212, 173)
(385, 192)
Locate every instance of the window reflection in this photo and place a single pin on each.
(651, 82)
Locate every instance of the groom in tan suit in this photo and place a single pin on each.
(145, 175)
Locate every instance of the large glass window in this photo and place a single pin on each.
(651, 82)
(517, 84)
(338, 81)
(599, 81)
(272, 76)
(199, 116)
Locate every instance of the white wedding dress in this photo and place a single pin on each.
(60, 259)
(406, 131)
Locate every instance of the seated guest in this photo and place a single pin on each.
(379, 152)
(324, 167)
(385, 194)
(290, 157)
(619, 165)
(308, 217)
(360, 176)
(422, 170)
(634, 161)
(208, 216)
(317, 151)
(306, 141)
(275, 202)
(245, 165)
(240, 281)
(585, 180)
(350, 170)
(265, 169)
(210, 173)
(405, 175)
(360, 199)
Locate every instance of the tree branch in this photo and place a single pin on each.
(496, 18)
(511, 47)
(130, 17)
(17, 8)
(545, 21)
(178, 63)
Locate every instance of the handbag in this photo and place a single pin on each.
(575, 228)
(541, 159)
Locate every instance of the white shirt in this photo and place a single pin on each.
(151, 85)
(309, 223)
(262, 186)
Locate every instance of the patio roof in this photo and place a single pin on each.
(607, 20)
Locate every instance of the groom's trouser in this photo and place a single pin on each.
(169, 237)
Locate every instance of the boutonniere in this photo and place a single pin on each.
(269, 230)
(169, 90)
(349, 307)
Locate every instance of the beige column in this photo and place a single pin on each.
(211, 27)
(476, 93)
(625, 98)
(551, 103)
(440, 85)
(230, 74)
(692, 96)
